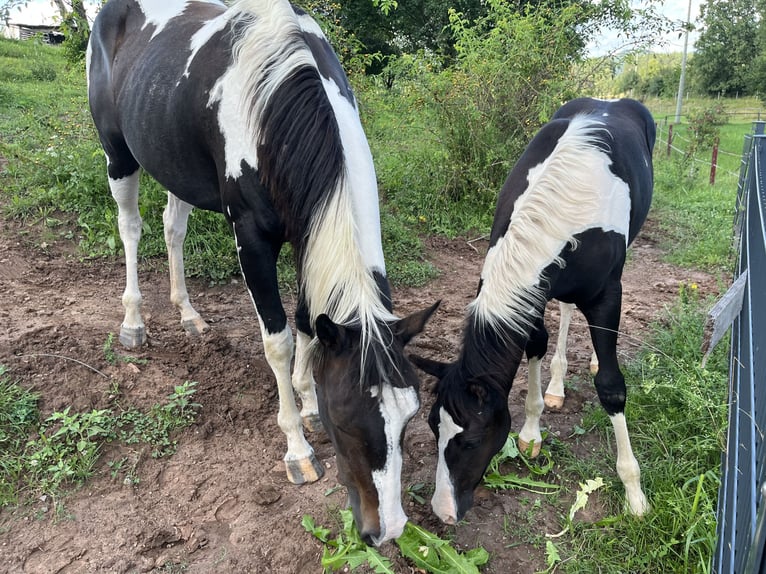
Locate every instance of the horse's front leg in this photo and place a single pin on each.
(175, 219)
(125, 193)
(530, 434)
(604, 321)
(258, 259)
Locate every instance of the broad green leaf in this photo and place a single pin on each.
(551, 553)
(581, 498)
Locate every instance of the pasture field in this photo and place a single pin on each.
(168, 459)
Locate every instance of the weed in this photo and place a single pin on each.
(540, 466)
(41, 457)
(156, 427)
(426, 550)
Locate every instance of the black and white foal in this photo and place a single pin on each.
(566, 214)
(246, 111)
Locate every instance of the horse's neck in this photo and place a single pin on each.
(490, 352)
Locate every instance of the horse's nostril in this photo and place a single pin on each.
(369, 537)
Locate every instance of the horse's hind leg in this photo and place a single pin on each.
(554, 394)
(304, 385)
(175, 219)
(125, 193)
(604, 320)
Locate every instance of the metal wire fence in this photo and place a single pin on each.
(742, 495)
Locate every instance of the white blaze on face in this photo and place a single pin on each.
(443, 501)
(397, 407)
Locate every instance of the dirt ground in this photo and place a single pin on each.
(222, 502)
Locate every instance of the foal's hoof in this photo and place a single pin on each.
(195, 326)
(303, 470)
(132, 337)
(312, 423)
(553, 401)
(524, 448)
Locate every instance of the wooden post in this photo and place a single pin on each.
(714, 162)
(670, 138)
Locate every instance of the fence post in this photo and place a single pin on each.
(670, 138)
(714, 162)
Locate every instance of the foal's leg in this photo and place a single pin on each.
(258, 259)
(554, 395)
(533, 406)
(604, 320)
(175, 219)
(125, 193)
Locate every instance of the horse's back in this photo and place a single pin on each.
(149, 87)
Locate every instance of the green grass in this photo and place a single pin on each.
(45, 456)
(677, 416)
(696, 218)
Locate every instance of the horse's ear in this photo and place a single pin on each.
(332, 336)
(405, 329)
(435, 368)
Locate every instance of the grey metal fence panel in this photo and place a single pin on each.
(742, 494)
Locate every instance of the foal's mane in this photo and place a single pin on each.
(558, 203)
(302, 163)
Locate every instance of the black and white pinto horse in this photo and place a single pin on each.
(566, 214)
(246, 111)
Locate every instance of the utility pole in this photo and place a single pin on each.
(682, 80)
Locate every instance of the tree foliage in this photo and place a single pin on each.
(727, 48)
(513, 67)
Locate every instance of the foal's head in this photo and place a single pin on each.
(368, 392)
(470, 420)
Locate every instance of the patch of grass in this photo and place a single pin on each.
(677, 416)
(41, 457)
(695, 218)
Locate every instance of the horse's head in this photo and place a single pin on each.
(470, 420)
(368, 392)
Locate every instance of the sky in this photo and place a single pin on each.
(44, 12)
(675, 10)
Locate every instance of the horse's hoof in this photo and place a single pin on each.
(638, 505)
(524, 448)
(302, 470)
(132, 337)
(195, 326)
(312, 423)
(553, 401)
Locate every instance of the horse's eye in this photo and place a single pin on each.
(471, 444)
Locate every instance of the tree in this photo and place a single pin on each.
(726, 48)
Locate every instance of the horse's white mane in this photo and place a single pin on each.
(562, 198)
(337, 272)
